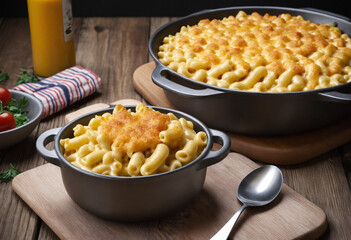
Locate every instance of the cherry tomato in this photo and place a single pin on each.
(5, 96)
(7, 121)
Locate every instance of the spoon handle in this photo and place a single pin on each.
(227, 228)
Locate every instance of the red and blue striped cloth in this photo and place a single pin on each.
(62, 89)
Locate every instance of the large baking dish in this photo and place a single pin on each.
(252, 113)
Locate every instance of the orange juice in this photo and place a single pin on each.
(51, 35)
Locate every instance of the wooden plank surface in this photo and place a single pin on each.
(290, 216)
(114, 48)
(17, 221)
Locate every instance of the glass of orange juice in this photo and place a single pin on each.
(51, 31)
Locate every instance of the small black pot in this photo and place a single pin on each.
(252, 113)
(133, 198)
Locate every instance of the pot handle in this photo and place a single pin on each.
(337, 97)
(159, 79)
(216, 156)
(328, 13)
(45, 138)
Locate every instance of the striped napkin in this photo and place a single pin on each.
(62, 89)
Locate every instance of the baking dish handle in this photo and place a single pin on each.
(337, 97)
(163, 82)
(218, 155)
(328, 13)
(45, 138)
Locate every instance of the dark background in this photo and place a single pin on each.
(107, 8)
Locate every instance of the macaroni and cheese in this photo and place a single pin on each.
(260, 53)
(139, 143)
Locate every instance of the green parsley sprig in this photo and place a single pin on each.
(26, 77)
(17, 111)
(9, 174)
(3, 76)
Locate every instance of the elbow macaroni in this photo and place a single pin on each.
(139, 143)
(260, 53)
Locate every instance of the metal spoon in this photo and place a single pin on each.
(258, 188)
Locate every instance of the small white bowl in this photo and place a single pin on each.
(35, 109)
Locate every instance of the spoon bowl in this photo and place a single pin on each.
(258, 188)
(261, 186)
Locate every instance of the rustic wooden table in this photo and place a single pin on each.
(113, 48)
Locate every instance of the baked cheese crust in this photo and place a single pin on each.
(135, 132)
(260, 53)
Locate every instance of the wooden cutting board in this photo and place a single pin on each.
(282, 150)
(290, 216)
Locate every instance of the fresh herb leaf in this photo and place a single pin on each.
(17, 111)
(3, 76)
(26, 77)
(20, 119)
(8, 175)
(23, 102)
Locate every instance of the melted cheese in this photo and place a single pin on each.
(298, 54)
